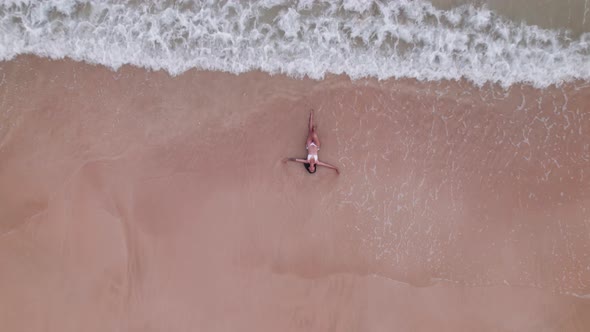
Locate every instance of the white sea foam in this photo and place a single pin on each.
(406, 38)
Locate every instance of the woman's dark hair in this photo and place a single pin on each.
(307, 168)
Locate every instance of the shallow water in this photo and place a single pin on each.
(571, 15)
(401, 39)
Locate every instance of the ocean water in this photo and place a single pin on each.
(379, 39)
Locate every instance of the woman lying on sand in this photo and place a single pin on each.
(313, 146)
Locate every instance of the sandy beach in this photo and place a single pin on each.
(137, 201)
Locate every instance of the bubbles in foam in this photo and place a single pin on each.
(398, 39)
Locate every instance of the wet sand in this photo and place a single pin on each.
(133, 201)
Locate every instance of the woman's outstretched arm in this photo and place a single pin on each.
(303, 161)
(329, 166)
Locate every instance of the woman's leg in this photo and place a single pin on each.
(311, 130)
(315, 138)
(312, 136)
(309, 139)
